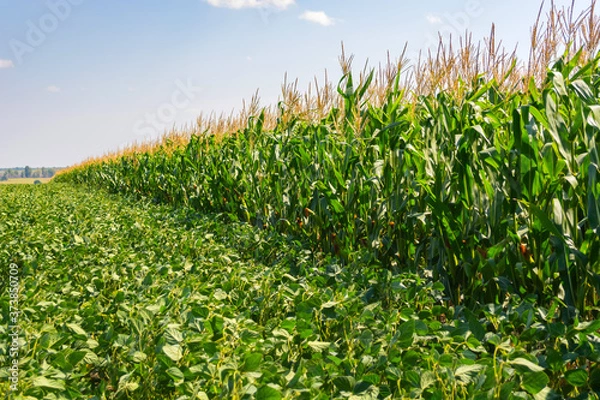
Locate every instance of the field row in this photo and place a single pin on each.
(123, 299)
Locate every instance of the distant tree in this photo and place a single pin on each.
(4, 177)
(37, 182)
(50, 173)
(27, 172)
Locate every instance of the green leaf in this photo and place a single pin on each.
(546, 394)
(344, 383)
(543, 217)
(534, 382)
(576, 377)
(268, 393)
(593, 207)
(42, 381)
(588, 327)
(220, 295)
(525, 365)
(427, 379)
(252, 361)
(336, 206)
(506, 389)
(366, 338)
(196, 369)
(583, 90)
(173, 351)
(413, 378)
(406, 334)
(130, 386)
(539, 117)
(173, 336)
(76, 356)
(475, 326)
(595, 378)
(559, 83)
(318, 346)
(468, 373)
(554, 360)
(91, 358)
(138, 357)
(175, 373)
(77, 329)
(336, 360)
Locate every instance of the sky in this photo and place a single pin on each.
(79, 78)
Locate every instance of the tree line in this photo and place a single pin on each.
(27, 172)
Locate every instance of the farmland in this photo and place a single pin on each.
(24, 181)
(409, 232)
(126, 299)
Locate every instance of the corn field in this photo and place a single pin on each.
(429, 229)
(486, 181)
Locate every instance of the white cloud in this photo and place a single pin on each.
(6, 64)
(433, 19)
(318, 17)
(53, 89)
(239, 4)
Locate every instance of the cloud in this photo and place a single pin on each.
(239, 4)
(6, 64)
(433, 19)
(318, 17)
(53, 89)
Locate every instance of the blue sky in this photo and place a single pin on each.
(79, 78)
